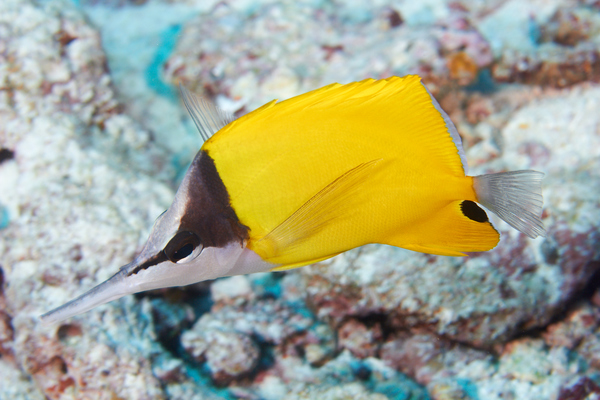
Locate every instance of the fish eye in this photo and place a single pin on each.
(183, 247)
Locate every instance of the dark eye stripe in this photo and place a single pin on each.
(154, 260)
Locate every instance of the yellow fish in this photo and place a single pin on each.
(300, 181)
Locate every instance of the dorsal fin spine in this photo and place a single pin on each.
(207, 117)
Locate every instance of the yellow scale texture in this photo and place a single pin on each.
(347, 165)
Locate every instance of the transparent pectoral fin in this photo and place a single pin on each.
(329, 203)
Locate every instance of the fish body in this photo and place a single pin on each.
(299, 181)
(274, 160)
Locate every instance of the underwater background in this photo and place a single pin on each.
(94, 141)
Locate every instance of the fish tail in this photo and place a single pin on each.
(514, 196)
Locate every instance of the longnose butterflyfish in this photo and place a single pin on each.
(302, 180)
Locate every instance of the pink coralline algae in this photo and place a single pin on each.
(245, 66)
(580, 389)
(567, 53)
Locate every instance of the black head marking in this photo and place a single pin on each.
(472, 211)
(208, 212)
(157, 259)
(179, 247)
(208, 220)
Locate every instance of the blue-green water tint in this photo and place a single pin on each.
(401, 389)
(360, 370)
(198, 372)
(395, 387)
(484, 83)
(4, 217)
(534, 31)
(595, 376)
(267, 284)
(202, 378)
(267, 357)
(168, 40)
(201, 303)
(469, 388)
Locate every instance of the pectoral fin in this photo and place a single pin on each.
(330, 203)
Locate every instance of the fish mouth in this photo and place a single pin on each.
(111, 289)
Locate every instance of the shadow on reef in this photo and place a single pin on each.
(237, 343)
(587, 293)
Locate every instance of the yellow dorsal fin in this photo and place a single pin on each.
(321, 209)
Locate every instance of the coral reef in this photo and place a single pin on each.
(77, 165)
(294, 48)
(567, 52)
(92, 143)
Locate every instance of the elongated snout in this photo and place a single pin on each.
(111, 289)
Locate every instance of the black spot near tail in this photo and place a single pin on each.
(473, 211)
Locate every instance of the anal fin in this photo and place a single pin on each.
(459, 227)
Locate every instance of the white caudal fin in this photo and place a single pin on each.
(516, 197)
